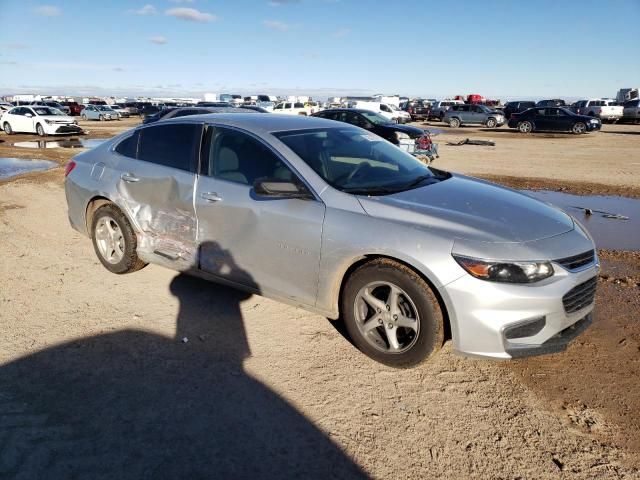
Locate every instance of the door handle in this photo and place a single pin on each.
(129, 177)
(210, 197)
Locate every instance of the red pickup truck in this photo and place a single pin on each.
(74, 107)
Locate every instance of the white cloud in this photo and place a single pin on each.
(47, 10)
(148, 9)
(343, 32)
(190, 14)
(276, 25)
(277, 3)
(158, 40)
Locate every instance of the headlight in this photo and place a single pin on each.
(49, 122)
(509, 272)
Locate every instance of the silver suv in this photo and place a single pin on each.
(333, 219)
(459, 115)
(631, 112)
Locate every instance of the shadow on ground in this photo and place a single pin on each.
(136, 405)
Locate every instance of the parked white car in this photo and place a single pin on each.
(387, 111)
(40, 120)
(604, 109)
(291, 108)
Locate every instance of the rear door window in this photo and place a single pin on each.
(173, 145)
(128, 146)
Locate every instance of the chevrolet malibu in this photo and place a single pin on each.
(333, 219)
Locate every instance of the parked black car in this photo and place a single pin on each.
(554, 119)
(516, 106)
(214, 104)
(373, 122)
(418, 109)
(555, 102)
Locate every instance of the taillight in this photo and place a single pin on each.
(69, 167)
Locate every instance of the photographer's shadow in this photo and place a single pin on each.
(134, 405)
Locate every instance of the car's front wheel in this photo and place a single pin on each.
(114, 240)
(40, 130)
(454, 123)
(391, 314)
(579, 128)
(525, 127)
(101, 118)
(7, 128)
(491, 123)
(84, 117)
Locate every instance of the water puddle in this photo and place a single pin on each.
(10, 167)
(62, 143)
(613, 222)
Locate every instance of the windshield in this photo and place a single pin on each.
(375, 118)
(104, 108)
(356, 161)
(393, 107)
(47, 111)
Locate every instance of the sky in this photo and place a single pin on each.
(498, 48)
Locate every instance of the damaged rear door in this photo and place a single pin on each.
(157, 187)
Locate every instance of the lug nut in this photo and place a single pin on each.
(388, 307)
(390, 325)
(395, 317)
(380, 321)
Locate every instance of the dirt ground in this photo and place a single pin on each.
(158, 375)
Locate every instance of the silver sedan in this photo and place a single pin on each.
(335, 220)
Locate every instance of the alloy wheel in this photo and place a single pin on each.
(109, 239)
(387, 317)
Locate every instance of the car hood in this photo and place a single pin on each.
(465, 208)
(413, 132)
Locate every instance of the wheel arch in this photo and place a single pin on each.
(92, 206)
(358, 262)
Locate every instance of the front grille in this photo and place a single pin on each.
(580, 296)
(577, 261)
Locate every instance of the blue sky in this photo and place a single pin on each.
(498, 48)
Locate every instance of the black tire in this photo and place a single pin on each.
(40, 130)
(84, 117)
(579, 128)
(430, 336)
(454, 122)
(492, 123)
(441, 116)
(7, 128)
(101, 118)
(130, 261)
(525, 127)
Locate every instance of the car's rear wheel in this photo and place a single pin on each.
(454, 123)
(579, 128)
(7, 128)
(525, 127)
(40, 130)
(491, 123)
(391, 314)
(114, 240)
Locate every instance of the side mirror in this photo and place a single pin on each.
(276, 188)
(28, 115)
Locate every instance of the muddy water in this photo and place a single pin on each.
(612, 233)
(62, 143)
(10, 167)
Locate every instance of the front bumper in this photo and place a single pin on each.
(61, 129)
(501, 320)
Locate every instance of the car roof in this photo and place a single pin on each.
(266, 123)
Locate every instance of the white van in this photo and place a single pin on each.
(391, 112)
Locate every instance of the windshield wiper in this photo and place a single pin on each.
(417, 182)
(369, 191)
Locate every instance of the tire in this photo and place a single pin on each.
(84, 117)
(492, 123)
(525, 127)
(7, 128)
(112, 232)
(579, 128)
(454, 122)
(40, 130)
(416, 305)
(441, 116)
(101, 118)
